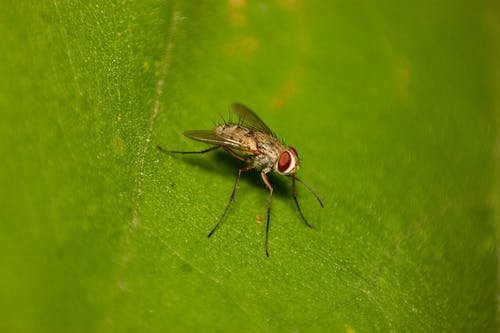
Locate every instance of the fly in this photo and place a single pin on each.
(251, 141)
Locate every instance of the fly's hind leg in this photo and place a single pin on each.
(163, 150)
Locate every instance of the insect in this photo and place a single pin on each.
(251, 141)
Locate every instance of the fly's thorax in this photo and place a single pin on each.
(270, 149)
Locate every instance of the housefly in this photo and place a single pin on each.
(251, 141)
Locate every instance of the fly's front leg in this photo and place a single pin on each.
(294, 193)
(270, 203)
(235, 188)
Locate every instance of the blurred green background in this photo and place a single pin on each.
(393, 108)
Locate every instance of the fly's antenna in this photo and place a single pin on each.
(310, 190)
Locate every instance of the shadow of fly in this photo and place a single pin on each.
(251, 141)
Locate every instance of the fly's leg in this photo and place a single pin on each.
(235, 188)
(234, 154)
(270, 203)
(294, 193)
(229, 150)
(163, 150)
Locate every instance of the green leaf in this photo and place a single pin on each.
(392, 108)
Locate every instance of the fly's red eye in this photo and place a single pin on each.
(287, 163)
(284, 162)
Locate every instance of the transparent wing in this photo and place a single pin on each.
(208, 136)
(249, 119)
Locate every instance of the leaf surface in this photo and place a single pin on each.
(394, 113)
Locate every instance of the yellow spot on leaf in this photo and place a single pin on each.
(402, 79)
(287, 90)
(250, 44)
(245, 46)
(237, 18)
(290, 4)
(229, 49)
(237, 3)
(349, 329)
(118, 146)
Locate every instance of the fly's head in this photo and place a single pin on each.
(287, 162)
